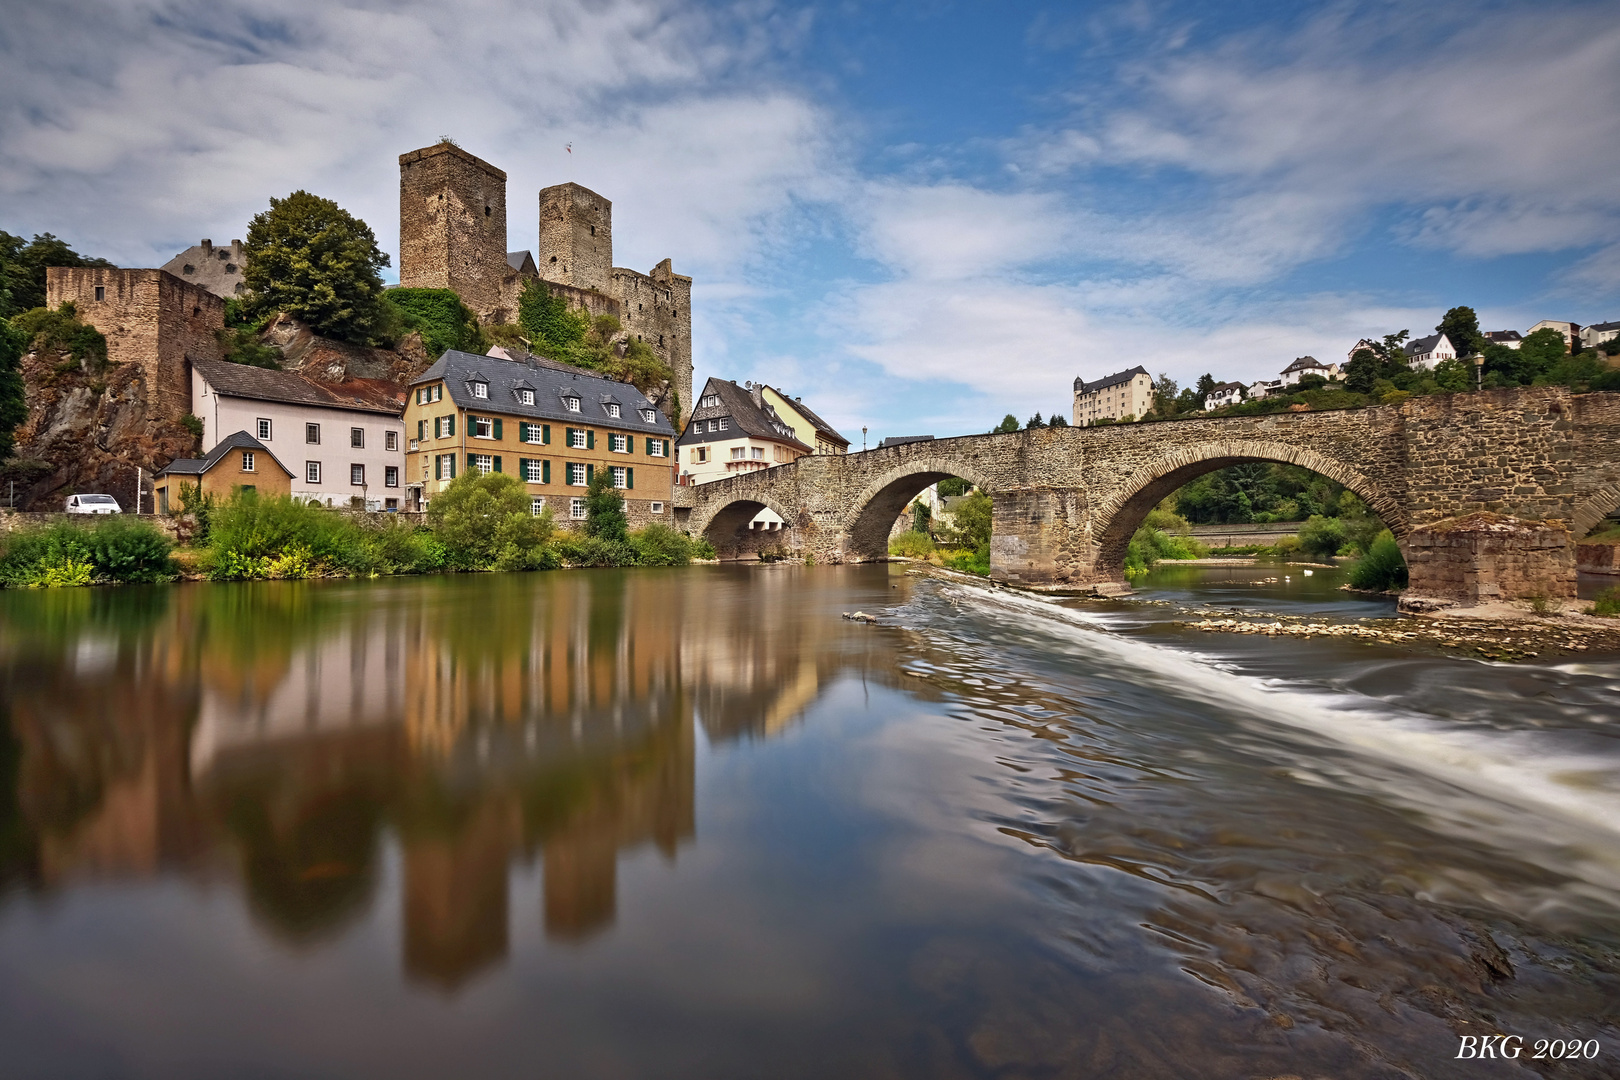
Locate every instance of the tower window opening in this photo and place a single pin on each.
(486, 211)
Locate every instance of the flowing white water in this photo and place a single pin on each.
(1517, 791)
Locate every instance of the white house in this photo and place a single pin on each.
(1308, 365)
(1570, 330)
(1424, 353)
(735, 430)
(1224, 394)
(1265, 388)
(1512, 339)
(1596, 334)
(340, 441)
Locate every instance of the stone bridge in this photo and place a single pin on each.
(1068, 499)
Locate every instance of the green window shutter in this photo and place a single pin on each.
(452, 419)
(666, 448)
(421, 430)
(497, 430)
(497, 463)
(630, 479)
(545, 472)
(452, 458)
(650, 441)
(545, 433)
(590, 439)
(523, 431)
(568, 436)
(590, 473)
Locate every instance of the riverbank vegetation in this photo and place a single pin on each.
(1163, 534)
(962, 543)
(103, 550)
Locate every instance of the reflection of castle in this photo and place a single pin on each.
(282, 734)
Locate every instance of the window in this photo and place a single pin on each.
(312, 472)
(571, 404)
(710, 401)
(483, 427)
(737, 453)
(391, 476)
(391, 440)
(537, 506)
(390, 504)
(577, 475)
(533, 433)
(656, 508)
(526, 396)
(781, 453)
(480, 389)
(619, 444)
(357, 475)
(759, 453)
(444, 427)
(724, 423)
(312, 434)
(247, 460)
(357, 437)
(578, 438)
(648, 416)
(613, 410)
(445, 467)
(101, 292)
(620, 476)
(655, 447)
(264, 428)
(700, 454)
(532, 471)
(576, 509)
(484, 463)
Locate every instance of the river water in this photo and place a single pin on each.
(692, 823)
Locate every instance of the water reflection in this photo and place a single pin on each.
(282, 735)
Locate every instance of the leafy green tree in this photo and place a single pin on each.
(920, 515)
(440, 317)
(1206, 383)
(604, 509)
(973, 521)
(1187, 400)
(1384, 360)
(22, 269)
(312, 259)
(484, 520)
(1461, 327)
(1008, 423)
(13, 403)
(953, 485)
(1164, 395)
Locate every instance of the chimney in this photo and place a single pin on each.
(208, 249)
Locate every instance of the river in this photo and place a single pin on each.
(693, 823)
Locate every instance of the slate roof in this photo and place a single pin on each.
(1604, 326)
(1083, 387)
(521, 261)
(901, 440)
(744, 408)
(551, 382)
(1423, 345)
(817, 422)
(1304, 363)
(241, 440)
(1220, 388)
(265, 384)
(1503, 336)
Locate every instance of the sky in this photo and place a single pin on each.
(918, 218)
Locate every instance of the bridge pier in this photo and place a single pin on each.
(1486, 557)
(1042, 536)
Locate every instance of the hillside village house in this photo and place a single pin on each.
(735, 430)
(1598, 333)
(1125, 393)
(809, 428)
(1222, 395)
(1426, 352)
(1308, 365)
(238, 461)
(1510, 338)
(550, 425)
(1570, 330)
(343, 441)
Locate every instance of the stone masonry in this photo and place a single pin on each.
(576, 237)
(452, 228)
(151, 319)
(1068, 499)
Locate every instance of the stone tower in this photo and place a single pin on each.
(452, 226)
(576, 237)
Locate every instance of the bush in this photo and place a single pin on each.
(912, 545)
(976, 561)
(973, 521)
(604, 509)
(582, 549)
(1321, 536)
(660, 545)
(1607, 602)
(130, 551)
(440, 317)
(1382, 568)
(241, 345)
(112, 549)
(473, 518)
(62, 331)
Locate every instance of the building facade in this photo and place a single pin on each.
(1120, 395)
(549, 425)
(1222, 395)
(1426, 352)
(1308, 365)
(734, 430)
(1571, 331)
(238, 461)
(1599, 333)
(342, 442)
(217, 269)
(809, 428)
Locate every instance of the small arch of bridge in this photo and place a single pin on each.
(724, 523)
(1593, 509)
(874, 510)
(1116, 518)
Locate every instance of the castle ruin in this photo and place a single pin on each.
(452, 235)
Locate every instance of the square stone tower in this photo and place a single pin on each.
(576, 237)
(452, 225)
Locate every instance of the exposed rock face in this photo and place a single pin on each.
(324, 360)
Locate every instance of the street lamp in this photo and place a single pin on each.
(863, 436)
(1479, 372)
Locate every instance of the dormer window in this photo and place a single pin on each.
(571, 404)
(480, 389)
(647, 416)
(710, 401)
(526, 396)
(613, 410)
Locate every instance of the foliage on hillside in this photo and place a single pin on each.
(573, 337)
(1163, 534)
(13, 395)
(22, 269)
(312, 259)
(440, 317)
(61, 331)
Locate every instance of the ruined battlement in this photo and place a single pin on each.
(576, 237)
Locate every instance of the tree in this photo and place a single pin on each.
(22, 269)
(553, 329)
(1058, 420)
(1206, 383)
(440, 317)
(1461, 327)
(973, 521)
(13, 404)
(604, 508)
(1383, 360)
(484, 520)
(1008, 423)
(953, 485)
(1034, 422)
(312, 259)
(920, 517)
(1164, 395)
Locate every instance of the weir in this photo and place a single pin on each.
(1486, 493)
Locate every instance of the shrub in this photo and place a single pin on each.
(1382, 568)
(1321, 536)
(973, 521)
(1607, 602)
(582, 549)
(62, 331)
(660, 545)
(1544, 605)
(440, 317)
(241, 345)
(976, 561)
(912, 545)
(604, 509)
(112, 549)
(469, 515)
(130, 551)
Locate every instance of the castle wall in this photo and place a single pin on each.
(576, 237)
(452, 228)
(150, 318)
(657, 308)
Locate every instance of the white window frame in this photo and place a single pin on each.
(526, 396)
(576, 508)
(618, 444)
(648, 416)
(357, 438)
(724, 423)
(264, 428)
(484, 463)
(390, 440)
(657, 448)
(578, 439)
(312, 472)
(248, 461)
(441, 426)
(357, 469)
(480, 390)
(739, 453)
(613, 410)
(537, 505)
(391, 476)
(710, 401)
(532, 470)
(655, 508)
(757, 453)
(536, 435)
(620, 475)
(483, 427)
(571, 403)
(572, 466)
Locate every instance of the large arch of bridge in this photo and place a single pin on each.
(873, 511)
(722, 523)
(1590, 511)
(1116, 518)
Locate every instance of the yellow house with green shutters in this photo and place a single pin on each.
(550, 425)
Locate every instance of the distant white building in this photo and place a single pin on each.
(1426, 352)
(1511, 339)
(1570, 330)
(1596, 334)
(1308, 365)
(1265, 388)
(1224, 394)
(1122, 394)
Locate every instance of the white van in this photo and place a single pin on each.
(93, 504)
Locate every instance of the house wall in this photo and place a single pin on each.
(151, 319)
(217, 269)
(1133, 398)
(654, 476)
(452, 227)
(222, 416)
(267, 478)
(806, 431)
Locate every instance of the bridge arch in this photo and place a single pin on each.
(873, 511)
(1116, 518)
(722, 523)
(1591, 511)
